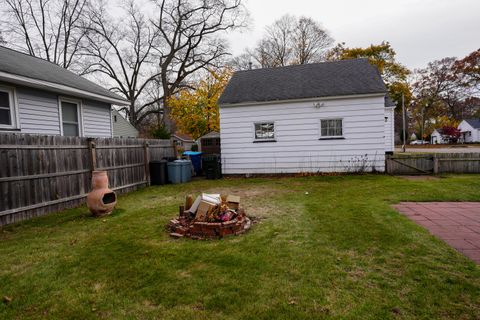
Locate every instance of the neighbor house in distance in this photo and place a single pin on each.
(39, 97)
(121, 127)
(324, 117)
(439, 137)
(470, 130)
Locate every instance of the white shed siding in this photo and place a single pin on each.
(297, 132)
(38, 111)
(96, 119)
(389, 130)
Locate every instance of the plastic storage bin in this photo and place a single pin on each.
(174, 169)
(186, 170)
(179, 171)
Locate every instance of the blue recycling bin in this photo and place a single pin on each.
(196, 158)
(174, 169)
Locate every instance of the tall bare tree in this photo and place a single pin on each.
(288, 41)
(189, 40)
(50, 29)
(310, 41)
(150, 57)
(278, 43)
(120, 51)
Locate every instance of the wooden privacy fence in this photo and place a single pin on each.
(42, 174)
(433, 163)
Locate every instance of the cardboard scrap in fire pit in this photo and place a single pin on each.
(210, 216)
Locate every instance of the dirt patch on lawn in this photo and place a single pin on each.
(259, 201)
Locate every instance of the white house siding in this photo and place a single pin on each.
(297, 132)
(96, 119)
(475, 133)
(436, 138)
(389, 130)
(38, 111)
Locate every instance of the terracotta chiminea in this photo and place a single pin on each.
(101, 200)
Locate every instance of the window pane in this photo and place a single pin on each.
(331, 127)
(5, 117)
(4, 100)
(264, 130)
(70, 129)
(69, 112)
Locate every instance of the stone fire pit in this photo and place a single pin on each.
(211, 216)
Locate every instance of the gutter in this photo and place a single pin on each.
(60, 88)
(256, 103)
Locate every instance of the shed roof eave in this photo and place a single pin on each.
(253, 103)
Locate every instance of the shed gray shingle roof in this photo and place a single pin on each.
(475, 123)
(21, 64)
(336, 78)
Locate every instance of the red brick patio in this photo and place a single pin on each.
(457, 223)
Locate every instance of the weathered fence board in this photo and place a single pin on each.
(437, 163)
(42, 174)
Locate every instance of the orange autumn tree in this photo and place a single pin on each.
(195, 111)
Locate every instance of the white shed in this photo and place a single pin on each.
(470, 129)
(324, 117)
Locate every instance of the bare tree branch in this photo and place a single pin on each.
(49, 29)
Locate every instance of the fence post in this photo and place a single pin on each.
(146, 154)
(174, 146)
(387, 164)
(93, 153)
(435, 164)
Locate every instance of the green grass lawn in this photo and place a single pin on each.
(338, 252)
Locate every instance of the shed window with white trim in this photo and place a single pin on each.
(7, 108)
(70, 118)
(331, 128)
(264, 131)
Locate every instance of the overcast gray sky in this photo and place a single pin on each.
(419, 30)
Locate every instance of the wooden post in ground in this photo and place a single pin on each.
(146, 154)
(174, 146)
(92, 153)
(436, 164)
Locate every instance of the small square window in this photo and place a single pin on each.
(264, 131)
(331, 128)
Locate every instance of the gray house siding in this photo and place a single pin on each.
(38, 113)
(96, 119)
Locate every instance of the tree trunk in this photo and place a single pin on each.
(167, 120)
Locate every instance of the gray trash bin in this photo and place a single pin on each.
(174, 169)
(186, 170)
